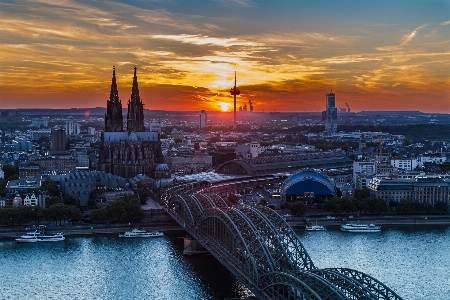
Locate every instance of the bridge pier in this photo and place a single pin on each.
(192, 246)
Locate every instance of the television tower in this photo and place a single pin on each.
(235, 91)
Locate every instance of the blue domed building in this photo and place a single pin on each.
(311, 187)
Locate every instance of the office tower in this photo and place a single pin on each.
(58, 139)
(203, 119)
(331, 114)
(69, 127)
(76, 128)
(91, 130)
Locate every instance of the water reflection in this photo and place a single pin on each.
(106, 267)
(413, 261)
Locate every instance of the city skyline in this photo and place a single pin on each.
(376, 55)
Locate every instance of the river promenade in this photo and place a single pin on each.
(378, 220)
(69, 229)
(89, 229)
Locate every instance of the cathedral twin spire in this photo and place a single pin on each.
(113, 116)
(135, 116)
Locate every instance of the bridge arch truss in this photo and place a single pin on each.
(261, 249)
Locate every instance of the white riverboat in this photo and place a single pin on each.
(140, 233)
(316, 227)
(40, 235)
(360, 227)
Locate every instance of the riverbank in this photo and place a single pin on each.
(90, 229)
(378, 220)
(70, 230)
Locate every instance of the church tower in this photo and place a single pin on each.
(362, 142)
(113, 116)
(135, 116)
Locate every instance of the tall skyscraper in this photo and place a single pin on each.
(58, 139)
(69, 127)
(203, 119)
(76, 128)
(113, 116)
(331, 114)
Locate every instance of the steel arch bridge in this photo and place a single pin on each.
(262, 251)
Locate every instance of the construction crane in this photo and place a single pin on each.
(380, 159)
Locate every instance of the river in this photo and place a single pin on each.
(413, 262)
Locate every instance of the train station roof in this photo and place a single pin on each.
(285, 163)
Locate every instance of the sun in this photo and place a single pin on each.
(224, 106)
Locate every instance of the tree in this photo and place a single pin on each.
(69, 200)
(405, 206)
(340, 205)
(3, 190)
(92, 203)
(125, 209)
(74, 213)
(347, 204)
(9, 171)
(376, 206)
(56, 212)
(53, 201)
(361, 194)
(99, 215)
(441, 207)
(427, 208)
(298, 208)
(50, 186)
(338, 192)
(5, 215)
(38, 214)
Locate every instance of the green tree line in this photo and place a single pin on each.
(124, 209)
(22, 215)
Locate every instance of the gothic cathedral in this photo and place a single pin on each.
(131, 152)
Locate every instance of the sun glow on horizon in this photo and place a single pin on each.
(187, 58)
(224, 106)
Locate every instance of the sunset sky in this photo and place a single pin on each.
(373, 54)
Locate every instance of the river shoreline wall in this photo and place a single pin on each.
(378, 220)
(164, 224)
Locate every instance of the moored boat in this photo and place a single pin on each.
(360, 227)
(29, 237)
(140, 233)
(41, 236)
(316, 227)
